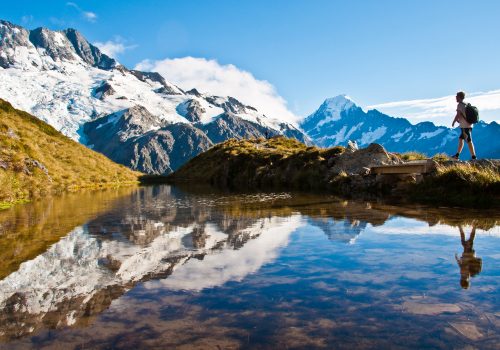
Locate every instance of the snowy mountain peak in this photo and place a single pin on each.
(340, 102)
(331, 110)
(45, 49)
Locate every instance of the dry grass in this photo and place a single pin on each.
(278, 162)
(35, 160)
(461, 185)
(409, 156)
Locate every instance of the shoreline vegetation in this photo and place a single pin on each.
(37, 160)
(286, 164)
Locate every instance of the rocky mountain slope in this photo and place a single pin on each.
(339, 120)
(36, 159)
(67, 82)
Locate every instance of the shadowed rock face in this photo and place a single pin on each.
(104, 90)
(194, 111)
(229, 126)
(88, 52)
(167, 88)
(144, 142)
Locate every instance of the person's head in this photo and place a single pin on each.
(464, 283)
(460, 96)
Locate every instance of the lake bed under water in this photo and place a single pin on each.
(161, 267)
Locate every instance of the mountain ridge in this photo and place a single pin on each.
(337, 126)
(66, 81)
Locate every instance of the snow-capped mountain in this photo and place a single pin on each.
(64, 80)
(339, 120)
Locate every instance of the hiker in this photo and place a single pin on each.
(465, 127)
(469, 264)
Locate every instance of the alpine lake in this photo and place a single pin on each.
(162, 267)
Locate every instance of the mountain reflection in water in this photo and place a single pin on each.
(163, 239)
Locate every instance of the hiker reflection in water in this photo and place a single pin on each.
(469, 264)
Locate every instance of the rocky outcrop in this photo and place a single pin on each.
(88, 52)
(229, 126)
(12, 36)
(154, 77)
(67, 45)
(359, 161)
(229, 105)
(193, 110)
(194, 92)
(105, 89)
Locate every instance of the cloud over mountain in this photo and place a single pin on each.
(113, 48)
(212, 77)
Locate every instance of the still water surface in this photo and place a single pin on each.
(161, 267)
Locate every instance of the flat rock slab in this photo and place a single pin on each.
(467, 329)
(413, 167)
(431, 309)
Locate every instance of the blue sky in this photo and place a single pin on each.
(375, 51)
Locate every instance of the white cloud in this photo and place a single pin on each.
(88, 15)
(441, 110)
(91, 16)
(209, 76)
(113, 48)
(25, 20)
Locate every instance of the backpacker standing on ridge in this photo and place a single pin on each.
(465, 126)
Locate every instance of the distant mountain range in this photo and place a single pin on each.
(145, 122)
(136, 118)
(339, 120)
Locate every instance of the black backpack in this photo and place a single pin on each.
(471, 114)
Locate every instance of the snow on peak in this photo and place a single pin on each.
(340, 102)
(331, 110)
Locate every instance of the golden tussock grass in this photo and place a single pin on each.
(36, 160)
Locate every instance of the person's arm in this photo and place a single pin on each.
(456, 119)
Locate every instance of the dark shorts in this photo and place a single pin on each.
(466, 134)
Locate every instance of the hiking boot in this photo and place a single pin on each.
(474, 158)
(455, 156)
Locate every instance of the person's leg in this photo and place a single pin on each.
(470, 144)
(462, 234)
(460, 147)
(471, 149)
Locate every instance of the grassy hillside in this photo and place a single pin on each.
(259, 163)
(281, 163)
(36, 159)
